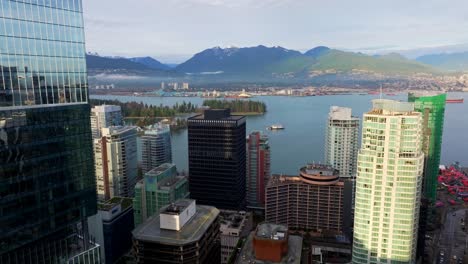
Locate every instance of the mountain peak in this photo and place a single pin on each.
(150, 62)
(317, 51)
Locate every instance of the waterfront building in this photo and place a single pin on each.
(258, 169)
(217, 158)
(47, 181)
(116, 162)
(432, 108)
(235, 225)
(341, 141)
(103, 116)
(112, 227)
(318, 199)
(271, 243)
(156, 147)
(388, 184)
(159, 187)
(183, 232)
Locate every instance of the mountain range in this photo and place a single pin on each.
(263, 62)
(447, 61)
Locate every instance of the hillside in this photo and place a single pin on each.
(99, 65)
(151, 63)
(253, 61)
(349, 61)
(447, 61)
(263, 61)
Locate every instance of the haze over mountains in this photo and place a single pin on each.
(447, 61)
(261, 62)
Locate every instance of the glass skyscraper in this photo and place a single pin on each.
(432, 108)
(47, 180)
(388, 185)
(217, 159)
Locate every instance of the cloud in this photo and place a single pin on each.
(239, 3)
(173, 29)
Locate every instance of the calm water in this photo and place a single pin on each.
(304, 118)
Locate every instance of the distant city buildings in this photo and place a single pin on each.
(217, 158)
(315, 200)
(159, 187)
(112, 228)
(156, 146)
(258, 169)
(388, 187)
(341, 141)
(182, 232)
(235, 225)
(116, 162)
(185, 86)
(432, 108)
(271, 243)
(104, 116)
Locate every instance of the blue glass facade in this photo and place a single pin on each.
(42, 52)
(47, 182)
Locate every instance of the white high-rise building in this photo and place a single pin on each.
(156, 148)
(116, 162)
(388, 184)
(341, 142)
(105, 116)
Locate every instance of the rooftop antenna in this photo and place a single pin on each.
(380, 91)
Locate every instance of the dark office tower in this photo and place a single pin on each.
(258, 169)
(47, 180)
(217, 165)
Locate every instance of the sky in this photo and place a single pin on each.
(173, 30)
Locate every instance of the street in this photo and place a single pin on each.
(452, 238)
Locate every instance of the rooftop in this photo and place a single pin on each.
(170, 182)
(217, 114)
(192, 231)
(109, 204)
(320, 169)
(278, 180)
(157, 129)
(391, 107)
(271, 231)
(177, 207)
(341, 113)
(247, 254)
(114, 130)
(233, 220)
(106, 108)
(161, 168)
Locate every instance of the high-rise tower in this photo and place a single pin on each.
(217, 162)
(388, 184)
(155, 147)
(103, 116)
(341, 141)
(47, 182)
(432, 108)
(116, 162)
(258, 168)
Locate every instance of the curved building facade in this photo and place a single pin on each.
(318, 199)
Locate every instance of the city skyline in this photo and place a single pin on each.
(163, 29)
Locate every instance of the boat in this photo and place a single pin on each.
(275, 127)
(455, 101)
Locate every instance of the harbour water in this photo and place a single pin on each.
(304, 119)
